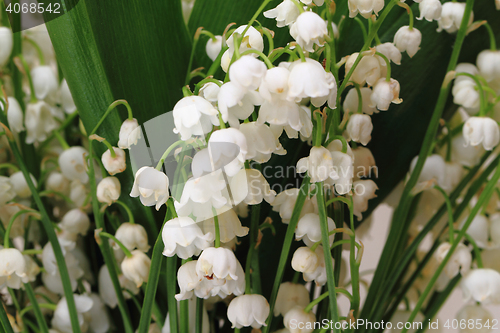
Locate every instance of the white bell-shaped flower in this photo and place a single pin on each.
(107, 291)
(290, 295)
(364, 163)
(368, 69)
(482, 285)
(188, 280)
(465, 155)
(481, 130)
(261, 142)
(67, 102)
(44, 82)
(182, 236)
(133, 236)
(274, 85)
(78, 193)
(12, 268)
(201, 195)
(281, 113)
(359, 128)
(451, 16)
(248, 310)
(309, 29)
(474, 313)
(298, 321)
(408, 40)
(250, 186)
(194, 115)
(136, 268)
(57, 182)
(365, 8)
(39, 121)
(488, 63)
(247, 72)
(129, 133)
(209, 91)
(319, 275)
(430, 10)
(228, 150)
(309, 229)
(72, 164)
(75, 221)
(234, 100)
(285, 201)
(6, 45)
(15, 115)
(61, 319)
(465, 94)
(229, 226)
(305, 260)
(214, 47)
(344, 165)
(100, 320)
(390, 51)
(151, 186)
(116, 164)
(251, 40)
(319, 165)
(217, 262)
(309, 79)
(108, 190)
(285, 13)
(385, 92)
(20, 186)
(434, 169)
(7, 192)
(364, 190)
(459, 262)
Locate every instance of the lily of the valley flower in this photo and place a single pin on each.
(364, 190)
(369, 69)
(182, 236)
(151, 186)
(285, 13)
(133, 236)
(250, 186)
(12, 268)
(7, 192)
(15, 115)
(384, 93)
(44, 82)
(251, 40)
(67, 102)
(309, 229)
(364, 162)
(20, 186)
(408, 40)
(39, 121)
(430, 10)
(481, 130)
(116, 164)
(359, 128)
(136, 268)
(72, 164)
(451, 16)
(217, 262)
(459, 262)
(390, 51)
(108, 190)
(298, 315)
(488, 63)
(6, 44)
(482, 285)
(61, 320)
(475, 313)
(214, 47)
(285, 201)
(351, 101)
(57, 182)
(261, 142)
(365, 8)
(129, 133)
(290, 295)
(194, 115)
(319, 165)
(75, 221)
(247, 72)
(248, 310)
(305, 260)
(309, 29)
(229, 227)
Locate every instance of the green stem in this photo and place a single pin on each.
(450, 212)
(39, 51)
(117, 241)
(110, 148)
(285, 250)
(61, 140)
(184, 311)
(260, 54)
(199, 315)
(300, 52)
(36, 308)
(354, 265)
(217, 228)
(127, 209)
(482, 102)
(321, 297)
(484, 197)
(342, 139)
(493, 43)
(388, 65)
(191, 57)
(200, 84)
(254, 17)
(328, 255)
(30, 79)
(6, 240)
(363, 28)
(254, 233)
(9, 166)
(32, 251)
(360, 97)
(171, 272)
(165, 154)
(318, 130)
(266, 32)
(42, 305)
(4, 320)
(111, 107)
(299, 6)
(477, 250)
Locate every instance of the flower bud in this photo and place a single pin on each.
(136, 268)
(488, 63)
(359, 128)
(384, 93)
(133, 236)
(151, 186)
(116, 164)
(12, 268)
(309, 29)
(129, 133)
(304, 260)
(182, 236)
(15, 115)
(214, 47)
(44, 82)
(20, 186)
(364, 190)
(465, 94)
(72, 164)
(108, 190)
(430, 10)
(6, 44)
(75, 221)
(39, 121)
(297, 315)
(408, 40)
(483, 130)
(290, 295)
(451, 16)
(482, 285)
(248, 310)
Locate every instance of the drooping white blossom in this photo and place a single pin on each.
(481, 130)
(108, 190)
(15, 115)
(305, 260)
(359, 128)
(285, 201)
(285, 13)
(136, 268)
(194, 115)
(61, 319)
(390, 51)
(129, 133)
(67, 102)
(39, 121)
(364, 163)
(151, 186)
(365, 8)
(451, 16)
(309, 29)
(290, 295)
(430, 10)
(6, 45)
(217, 262)
(351, 101)
(182, 236)
(75, 221)
(369, 69)
(408, 40)
(384, 93)
(20, 186)
(477, 314)
(364, 190)
(309, 229)
(133, 236)
(319, 165)
(72, 164)
(482, 285)
(250, 186)
(116, 164)
(248, 310)
(12, 268)
(213, 47)
(251, 40)
(44, 82)
(247, 72)
(298, 315)
(488, 63)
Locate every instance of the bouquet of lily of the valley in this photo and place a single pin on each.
(212, 165)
